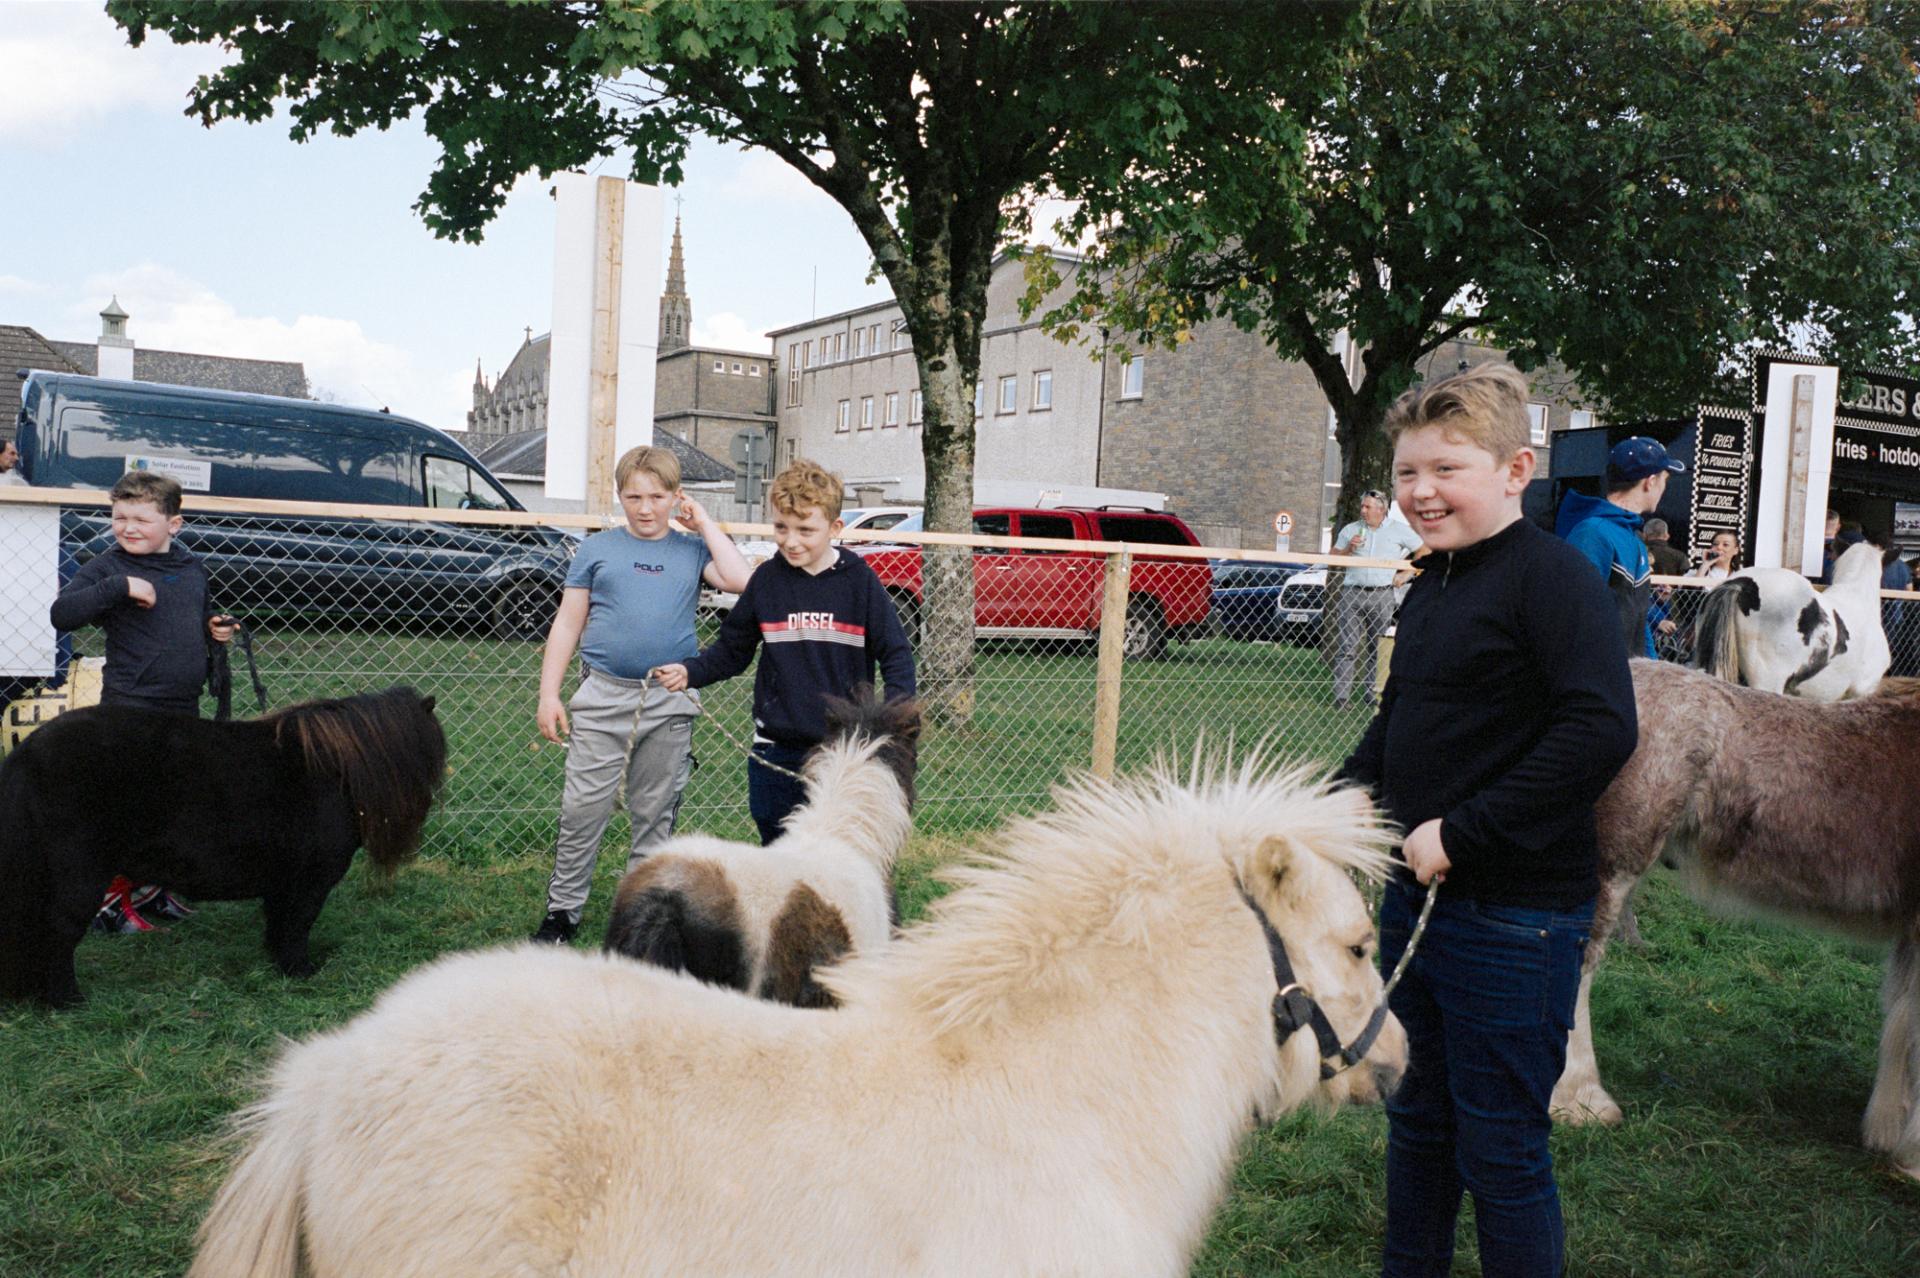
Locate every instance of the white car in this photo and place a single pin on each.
(759, 550)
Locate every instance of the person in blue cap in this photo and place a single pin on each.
(1607, 531)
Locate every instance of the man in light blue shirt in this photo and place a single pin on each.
(1365, 607)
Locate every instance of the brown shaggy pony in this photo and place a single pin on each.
(761, 920)
(1779, 806)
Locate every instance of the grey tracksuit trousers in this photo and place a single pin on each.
(621, 729)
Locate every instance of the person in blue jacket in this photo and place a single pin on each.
(1607, 531)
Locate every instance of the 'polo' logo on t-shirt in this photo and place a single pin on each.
(652, 570)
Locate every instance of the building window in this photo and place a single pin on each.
(873, 340)
(736, 368)
(979, 398)
(719, 366)
(837, 348)
(900, 335)
(1537, 422)
(753, 370)
(913, 408)
(1042, 391)
(1009, 394)
(859, 342)
(793, 373)
(893, 409)
(1133, 376)
(846, 417)
(866, 412)
(1580, 419)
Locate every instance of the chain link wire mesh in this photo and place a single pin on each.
(1231, 652)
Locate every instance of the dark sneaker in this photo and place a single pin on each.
(556, 929)
(157, 903)
(117, 918)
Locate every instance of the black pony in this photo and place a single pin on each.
(270, 808)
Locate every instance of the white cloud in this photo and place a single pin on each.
(19, 286)
(762, 176)
(168, 310)
(65, 68)
(728, 332)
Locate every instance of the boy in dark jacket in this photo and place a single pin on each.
(1507, 711)
(825, 620)
(149, 596)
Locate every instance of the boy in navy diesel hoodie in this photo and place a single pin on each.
(825, 620)
(1608, 532)
(1508, 709)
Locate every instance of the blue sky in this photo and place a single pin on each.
(237, 241)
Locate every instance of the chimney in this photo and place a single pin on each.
(115, 357)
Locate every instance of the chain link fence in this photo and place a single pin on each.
(1085, 654)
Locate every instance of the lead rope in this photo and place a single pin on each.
(1354, 1052)
(1413, 942)
(747, 749)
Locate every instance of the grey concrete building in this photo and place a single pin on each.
(1229, 433)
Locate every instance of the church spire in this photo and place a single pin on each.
(676, 308)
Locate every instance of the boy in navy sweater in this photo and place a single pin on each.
(149, 596)
(826, 622)
(1507, 711)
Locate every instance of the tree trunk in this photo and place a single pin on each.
(946, 673)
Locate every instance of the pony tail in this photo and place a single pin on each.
(390, 756)
(1716, 649)
(253, 1230)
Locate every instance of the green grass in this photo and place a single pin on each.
(1743, 1054)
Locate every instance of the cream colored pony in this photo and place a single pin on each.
(1050, 1077)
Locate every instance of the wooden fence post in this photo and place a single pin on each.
(603, 369)
(1108, 673)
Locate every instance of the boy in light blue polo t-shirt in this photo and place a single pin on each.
(628, 606)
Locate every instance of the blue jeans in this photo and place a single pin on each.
(772, 795)
(1487, 1005)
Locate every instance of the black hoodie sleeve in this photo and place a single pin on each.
(887, 641)
(1574, 639)
(95, 590)
(732, 649)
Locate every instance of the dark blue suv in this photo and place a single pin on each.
(85, 432)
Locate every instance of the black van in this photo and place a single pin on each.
(85, 432)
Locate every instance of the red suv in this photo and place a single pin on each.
(1054, 594)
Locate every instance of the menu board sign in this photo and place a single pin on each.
(1722, 494)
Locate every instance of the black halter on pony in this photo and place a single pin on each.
(1295, 1008)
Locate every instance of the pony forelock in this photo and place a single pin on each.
(389, 754)
(1113, 860)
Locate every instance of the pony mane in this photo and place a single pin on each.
(388, 753)
(1107, 865)
(1858, 563)
(849, 799)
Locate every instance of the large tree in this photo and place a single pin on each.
(930, 123)
(1642, 190)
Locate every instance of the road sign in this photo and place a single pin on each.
(1283, 522)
